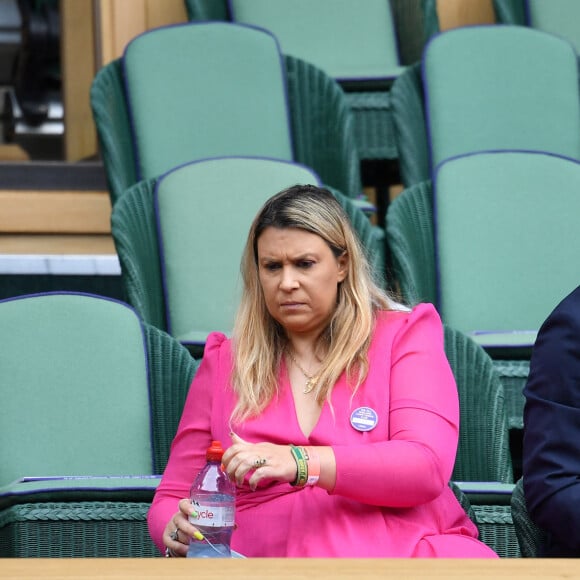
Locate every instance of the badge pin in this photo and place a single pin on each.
(364, 419)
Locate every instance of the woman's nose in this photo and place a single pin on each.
(288, 280)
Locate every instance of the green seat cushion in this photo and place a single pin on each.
(506, 241)
(204, 211)
(346, 39)
(202, 90)
(501, 87)
(74, 388)
(559, 17)
(111, 488)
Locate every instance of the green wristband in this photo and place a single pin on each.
(301, 467)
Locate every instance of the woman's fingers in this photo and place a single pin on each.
(260, 461)
(179, 530)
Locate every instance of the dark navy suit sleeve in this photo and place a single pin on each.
(551, 452)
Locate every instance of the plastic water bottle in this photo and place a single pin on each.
(213, 498)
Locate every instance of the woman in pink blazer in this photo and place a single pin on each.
(337, 404)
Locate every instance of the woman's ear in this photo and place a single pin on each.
(342, 266)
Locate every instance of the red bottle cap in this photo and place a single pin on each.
(215, 451)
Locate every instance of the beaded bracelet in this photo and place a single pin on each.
(301, 467)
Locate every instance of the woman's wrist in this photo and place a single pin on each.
(307, 466)
(313, 462)
(301, 466)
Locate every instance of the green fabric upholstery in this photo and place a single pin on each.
(466, 74)
(203, 296)
(483, 453)
(530, 536)
(82, 351)
(91, 401)
(329, 37)
(475, 113)
(499, 216)
(407, 17)
(559, 17)
(185, 261)
(328, 33)
(213, 119)
(316, 119)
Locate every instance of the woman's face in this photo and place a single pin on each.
(299, 276)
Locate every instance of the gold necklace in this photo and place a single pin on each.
(311, 380)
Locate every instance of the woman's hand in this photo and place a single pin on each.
(179, 530)
(266, 460)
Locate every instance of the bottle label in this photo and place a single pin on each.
(207, 515)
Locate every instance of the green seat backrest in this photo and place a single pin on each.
(559, 17)
(506, 239)
(202, 90)
(74, 388)
(501, 87)
(204, 212)
(346, 39)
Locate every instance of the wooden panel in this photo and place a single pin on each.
(57, 244)
(162, 12)
(13, 152)
(289, 568)
(119, 22)
(78, 70)
(122, 20)
(455, 13)
(55, 212)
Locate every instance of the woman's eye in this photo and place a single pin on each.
(305, 264)
(271, 267)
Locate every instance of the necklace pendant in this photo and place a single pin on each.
(310, 384)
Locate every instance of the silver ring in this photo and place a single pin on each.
(175, 535)
(260, 462)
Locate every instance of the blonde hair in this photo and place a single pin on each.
(259, 341)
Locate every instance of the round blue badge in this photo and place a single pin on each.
(364, 419)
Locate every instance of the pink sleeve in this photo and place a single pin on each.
(415, 464)
(187, 455)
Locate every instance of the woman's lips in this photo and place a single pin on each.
(291, 305)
